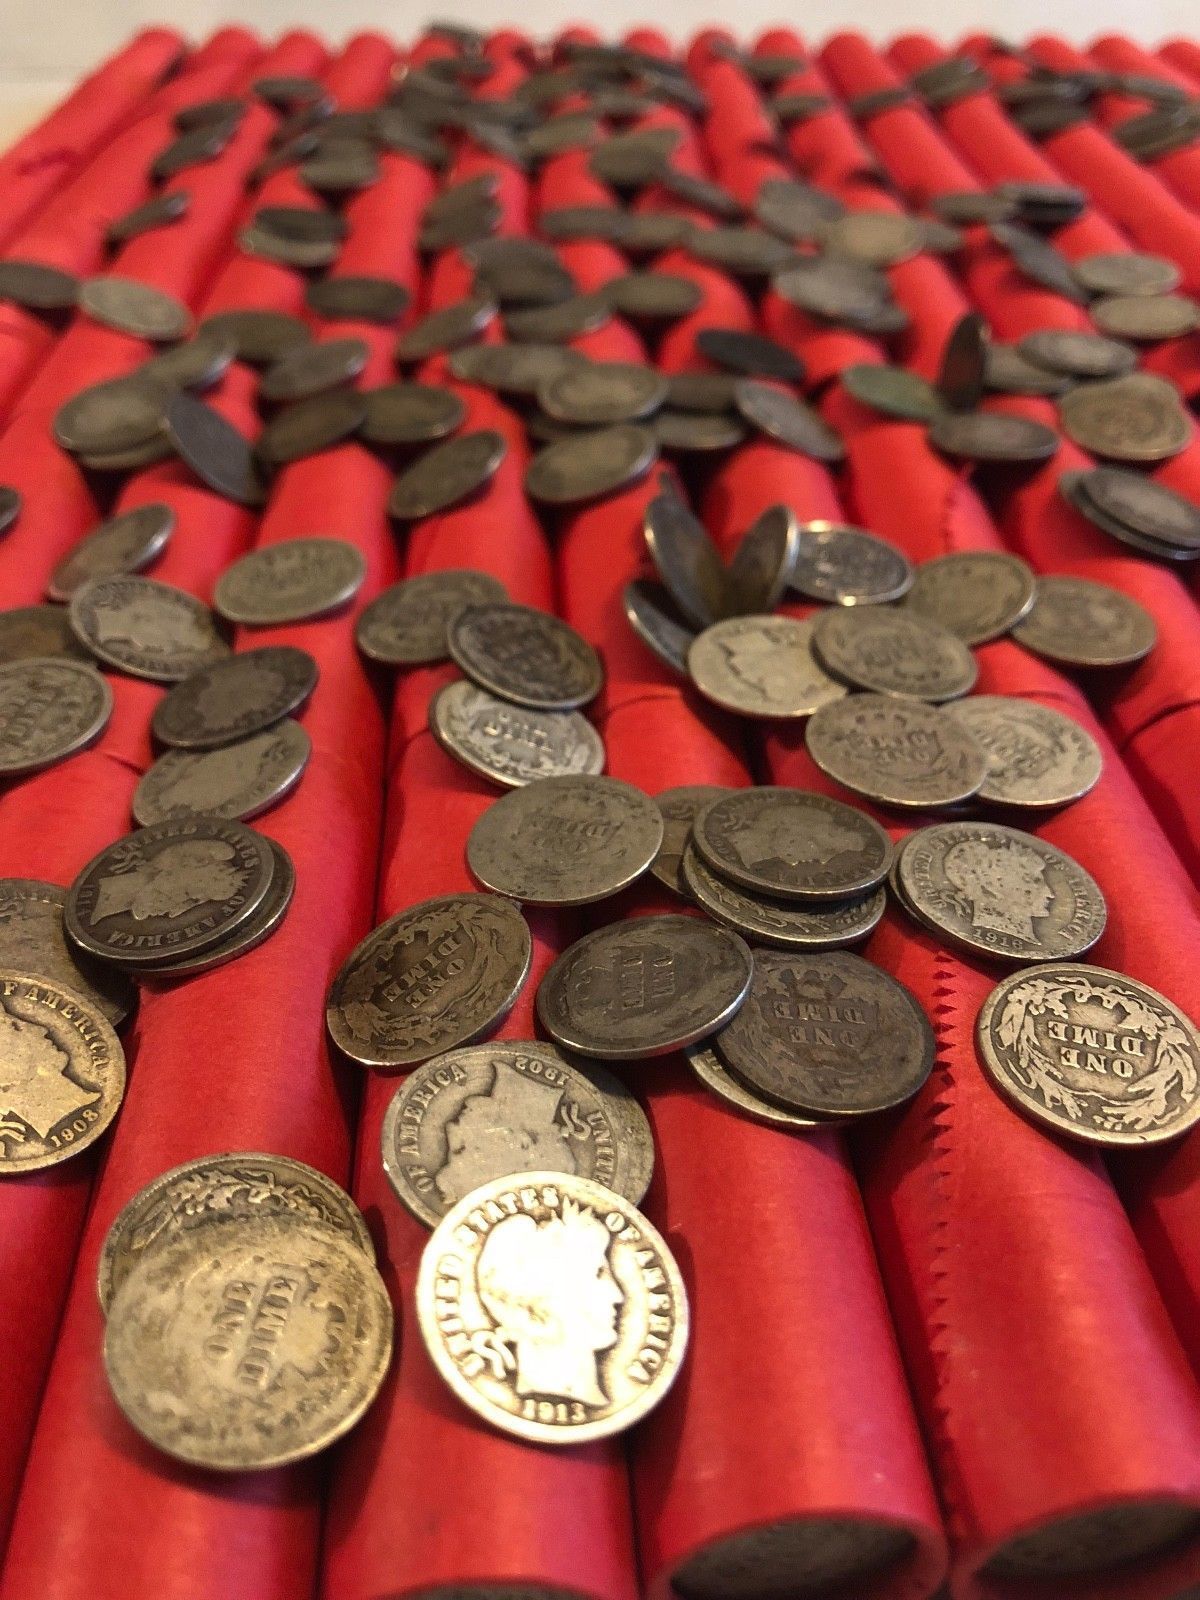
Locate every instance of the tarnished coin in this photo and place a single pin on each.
(357, 298)
(792, 844)
(235, 1186)
(678, 808)
(496, 1110)
(559, 322)
(828, 1035)
(895, 391)
(119, 414)
(788, 421)
(447, 474)
(1147, 319)
(1136, 418)
(713, 1074)
(1127, 272)
(1036, 756)
(1077, 354)
(574, 1286)
(1038, 260)
(525, 655)
(844, 293)
(135, 308)
(27, 631)
(32, 940)
(49, 709)
(977, 594)
(244, 1344)
(701, 391)
(783, 924)
(760, 569)
(598, 393)
(167, 892)
(237, 780)
(1006, 371)
(751, 354)
(687, 559)
(197, 364)
(248, 935)
(260, 336)
(436, 975)
(62, 1072)
(898, 752)
(964, 361)
(310, 369)
(1000, 892)
(406, 625)
(1161, 503)
(126, 543)
(644, 987)
(794, 210)
(512, 745)
(761, 666)
(591, 463)
(292, 581)
(307, 427)
(446, 329)
(1144, 507)
(1093, 1053)
(512, 369)
(890, 652)
(878, 238)
(214, 449)
(992, 436)
(234, 698)
(411, 413)
(744, 252)
(650, 613)
(1085, 624)
(565, 841)
(653, 297)
(696, 432)
(848, 566)
(36, 286)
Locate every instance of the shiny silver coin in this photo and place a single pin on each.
(32, 940)
(49, 709)
(897, 752)
(792, 844)
(678, 808)
(292, 581)
(1036, 755)
(977, 594)
(406, 625)
(525, 655)
(781, 924)
(235, 698)
(887, 651)
(1082, 623)
(848, 566)
(761, 667)
(512, 745)
(238, 780)
(128, 542)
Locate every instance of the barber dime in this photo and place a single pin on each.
(406, 625)
(678, 808)
(792, 844)
(783, 924)
(761, 567)
(245, 1344)
(32, 940)
(977, 594)
(291, 581)
(761, 667)
(49, 709)
(124, 544)
(237, 780)
(1136, 418)
(889, 652)
(848, 566)
(552, 1308)
(898, 752)
(234, 698)
(1085, 624)
(565, 841)
(525, 655)
(1000, 892)
(1136, 510)
(447, 474)
(145, 628)
(434, 976)
(590, 463)
(715, 1075)
(495, 1110)
(649, 612)
(1036, 756)
(1093, 1053)
(42, 630)
(512, 745)
(135, 308)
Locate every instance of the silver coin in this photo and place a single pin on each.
(1036, 756)
(525, 655)
(49, 709)
(599, 393)
(649, 613)
(496, 1110)
(1000, 892)
(977, 594)
(32, 940)
(848, 566)
(1139, 507)
(410, 413)
(788, 421)
(678, 808)
(1127, 273)
(135, 308)
(760, 569)
(713, 1074)
(145, 628)
(1138, 418)
(509, 744)
(565, 841)
(406, 625)
(1085, 624)
(688, 561)
(115, 415)
(887, 652)
(436, 975)
(792, 844)
(761, 667)
(234, 698)
(898, 752)
(591, 463)
(447, 474)
(780, 924)
(248, 935)
(1076, 353)
(310, 369)
(292, 581)
(125, 543)
(43, 631)
(238, 780)
(511, 369)
(644, 987)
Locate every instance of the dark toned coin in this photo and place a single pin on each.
(237, 780)
(1006, 371)
(525, 655)
(157, 213)
(1038, 260)
(513, 369)
(877, 238)
(687, 560)
(135, 308)
(839, 291)
(780, 924)
(715, 1075)
(969, 206)
(49, 709)
(147, 454)
(888, 651)
(117, 414)
(634, 159)
(410, 413)
(354, 297)
(559, 322)
(590, 464)
(744, 252)
(309, 426)
(848, 566)
(1077, 354)
(512, 745)
(598, 393)
(302, 224)
(992, 436)
(1045, 204)
(649, 612)
(128, 542)
(897, 752)
(1036, 755)
(168, 892)
(446, 329)
(436, 975)
(293, 580)
(702, 194)
(649, 233)
(312, 369)
(1073, 486)
(583, 222)
(1138, 418)
(1000, 892)
(10, 506)
(518, 271)
(196, 364)
(32, 940)
(214, 449)
(695, 432)
(571, 130)
(705, 392)
(27, 631)
(235, 698)
(678, 808)
(961, 375)
(895, 391)
(447, 475)
(1082, 623)
(751, 354)
(288, 250)
(799, 107)
(977, 594)
(255, 930)
(788, 421)
(288, 91)
(1147, 319)
(760, 568)
(829, 1035)
(653, 297)
(1144, 507)
(34, 286)
(260, 336)
(796, 211)
(1127, 272)
(340, 167)
(644, 987)
(192, 149)
(145, 628)
(761, 666)
(792, 844)
(462, 226)
(406, 625)
(463, 194)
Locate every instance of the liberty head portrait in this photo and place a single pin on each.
(774, 835)
(144, 623)
(513, 1127)
(1005, 885)
(260, 686)
(754, 656)
(34, 1086)
(552, 1297)
(180, 877)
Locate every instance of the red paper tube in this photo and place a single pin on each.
(1184, 56)
(825, 146)
(48, 155)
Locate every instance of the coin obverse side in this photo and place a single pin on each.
(898, 752)
(526, 655)
(124, 544)
(495, 1110)
(978, 595)
(63, 1070)
(678, 808)
(512, 745)
(245, 1344)
(552, 1308)
(49, 709)
(228, 1186)
(888, 652)
(792, 844)
(434, 976)
(235, 698)
(32, 940)
(237, 780)
(1093, 1053)
(291, 581)
(1085, 624)
(145, 628)
(406, 625)
(761, 666)
(1036, 756)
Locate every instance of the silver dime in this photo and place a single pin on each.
(410, 413)
(1085, 624)
(1036, 756)
(1135, 507)
(713, 1074)
(565, 841)
(496, 1110)
(1138, 418)
(992, 436)
(247, 935)
(135, 308)
(49, 709)
(782, 924)
(292, 581)
(678, 808)
(39, 631)
(306, 427)
(599, 393)
(897, 752)
(761, 667)
(406, 625)
(525, 655)
(235, 698)
(512, 369)
(244, 1344)
(848, 566)
(32, 940)
(1093, 1053)
(145, 628)
(434, 976)
(125, 543)
(214, 449)
(894, 391)
(792, 844)
(1127, 272)
(885, 651)
(644, 987)
(1000, 892)
(1147, 319)
(509, 744)
(688, 561)
(118, 414)
(238, 780)
(591, 463)
(788, 421)
(446, 329)
(309, 369)
(760, 569)
(649, 612)
(977, 594)
(447, 474)
(1077, 354)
